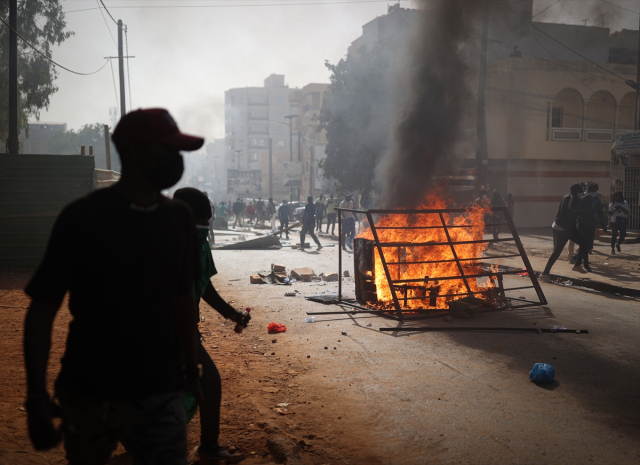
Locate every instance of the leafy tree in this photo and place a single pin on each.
(69, 143)
(357, 114)
(42, 23)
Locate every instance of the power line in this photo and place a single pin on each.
(126, 41)
(106, 24)
(105, 9)
(234, 5)
(46, 57)
(621, 7)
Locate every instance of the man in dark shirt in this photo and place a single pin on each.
(283, 214)
(565, 228)
(127, 256)
(309, 223)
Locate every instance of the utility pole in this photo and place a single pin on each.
(123, 100)
(290, 118)
(12, 141)
(635, 113)
(482, 157)
(270, 168)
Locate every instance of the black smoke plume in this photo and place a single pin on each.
(442, 80)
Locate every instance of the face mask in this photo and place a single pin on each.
(167, 172)
(593, 194)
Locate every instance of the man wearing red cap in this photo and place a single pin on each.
(127, 256)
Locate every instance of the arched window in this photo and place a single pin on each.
(568, 108)
(566, 115)
(600, 117)
(601, 111)
(625, 112)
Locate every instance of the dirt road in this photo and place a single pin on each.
(389, 398)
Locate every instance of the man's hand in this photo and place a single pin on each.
(41, 411)
(241, 318)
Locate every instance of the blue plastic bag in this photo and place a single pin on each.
(542, 373)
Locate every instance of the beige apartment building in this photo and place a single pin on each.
(312, 142)
(551, 124)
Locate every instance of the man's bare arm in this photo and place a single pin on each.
(37, 343)
(214, 299)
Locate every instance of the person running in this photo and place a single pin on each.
(591, 214)
(309, 224)
(283, 215)
(348, 222)
(209, 446)
(132, 341)
(320, 206)
(619, 214)
(237, 212)
(331, 214)
(565, 228)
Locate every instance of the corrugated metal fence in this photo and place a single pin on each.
(33, 191)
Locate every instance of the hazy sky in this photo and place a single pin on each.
(186, 57)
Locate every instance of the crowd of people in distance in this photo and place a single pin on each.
(579, 214)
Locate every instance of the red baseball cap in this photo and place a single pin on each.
(153, 125)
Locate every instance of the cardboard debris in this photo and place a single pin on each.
(257, 279)
(302, 274)
(329, 276)
(277, 267)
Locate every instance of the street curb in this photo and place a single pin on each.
(587, 283)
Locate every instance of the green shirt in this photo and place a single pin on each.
(207, 267)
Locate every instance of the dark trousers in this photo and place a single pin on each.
(210, 405)
(331, 220)
(284, 225)
(319, 222)
(615, 227)
(348, 232)
(560, 239)
(238, 219)
(308, 228)
(589, 234)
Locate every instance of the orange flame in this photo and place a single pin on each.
(468, 226)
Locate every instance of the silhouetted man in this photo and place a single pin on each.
(565, 228)
(309, 223)
(127, 256)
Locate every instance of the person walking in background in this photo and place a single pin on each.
(260, 211)
(510, 205)
(565, 228)
(591, 214)
(283, 215)
(331, 214)
(237, 212)
(320, 206)
(251, 212)
(271, 214)
(309, 223)
(496, 217)
(619, 214)
(348, 223)
(222, 210)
